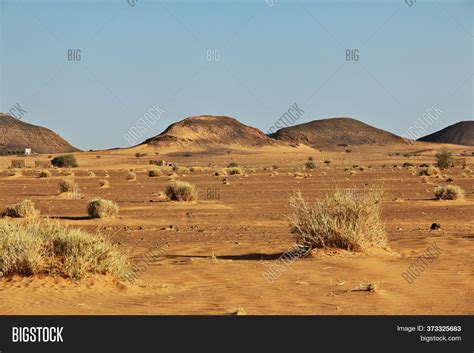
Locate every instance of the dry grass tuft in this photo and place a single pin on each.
(430, 171)
(100, 208)
(131, 176)
(45, 174)
(448, 192)
(67, 185)
(104, 183)
(37, 247)
(181, 191)
(23, 209)
(347, 219)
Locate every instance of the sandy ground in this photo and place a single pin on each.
(213, 252)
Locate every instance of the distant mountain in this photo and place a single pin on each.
(334, 131)
(16, 135)
(209, 131)
(461, 133)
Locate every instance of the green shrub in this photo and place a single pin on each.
(65, 161)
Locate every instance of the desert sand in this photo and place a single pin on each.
(213, 252)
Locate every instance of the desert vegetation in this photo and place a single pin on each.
(181, 191)
(448, 192)
(47, 247)
(65, 161)
(444, 158)
(67, 185)
(45, 174)
(429, 171)
(23, 209)
(346, 219)
(100, 208)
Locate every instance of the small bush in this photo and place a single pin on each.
(234, 171)
(310, 158)
(181, 191)
(448, 192)
(233, 165)
(347, 219)
(104, 183)
(131, 176)
(45, 174)
(407, 164)
(154, 173)
(444, 158)
(310, 164)
(67, 184)
(100, 208)
(90, 173)
(23, 209)
(65, 161)
(37, 247)
(13, 172)
(430, 171)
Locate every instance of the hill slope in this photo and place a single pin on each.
(336, 131)
(210, 131)
(461, 133)
(16, 135)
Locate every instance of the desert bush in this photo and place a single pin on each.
(90, 173)
(68, 173)
(430, 171)
(448, 192)
(154, 173)
(45, 174)
(310, 164)
(181, 191)
(310, 158)
(104, 183)
(233, 165)
(407, 164)
(444, 158)
(425, 179)
(67, 184)
(234, 171)
(100, 208)
(13, 172)
(347, 219)
(23, 209)
(65, 161)
(37, 247)
(130, 175)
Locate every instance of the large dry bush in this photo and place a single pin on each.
(23, 209)
(347, 219)
(181, 191)
(448, 192)
(100, 208)
(444, 158)
(47, 247)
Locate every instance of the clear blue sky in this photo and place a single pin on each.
(155, 53)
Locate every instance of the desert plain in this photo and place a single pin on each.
(209, 256)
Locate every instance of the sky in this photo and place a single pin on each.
(90, 70)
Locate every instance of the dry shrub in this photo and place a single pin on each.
(23, 209)
(425, 179)
(67, 184)
(68, 173)
(181, 191)
(37, 247)
(104, 183)
(448, 192)
(234, 171)
(310, 164)
(90, 173)
(154, 173)
(347, 219)
(45, 174)
(430, 171)
(444, 158)
(131, 176)
(13, 172)
(100, 208)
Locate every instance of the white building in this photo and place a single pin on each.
(27, 151)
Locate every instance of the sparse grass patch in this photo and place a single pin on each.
(347, 219)
(181, 191)
(100, 208)
(23, 209)
(130, 175)
(37, 247)
(448, 192)
(67, 184)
